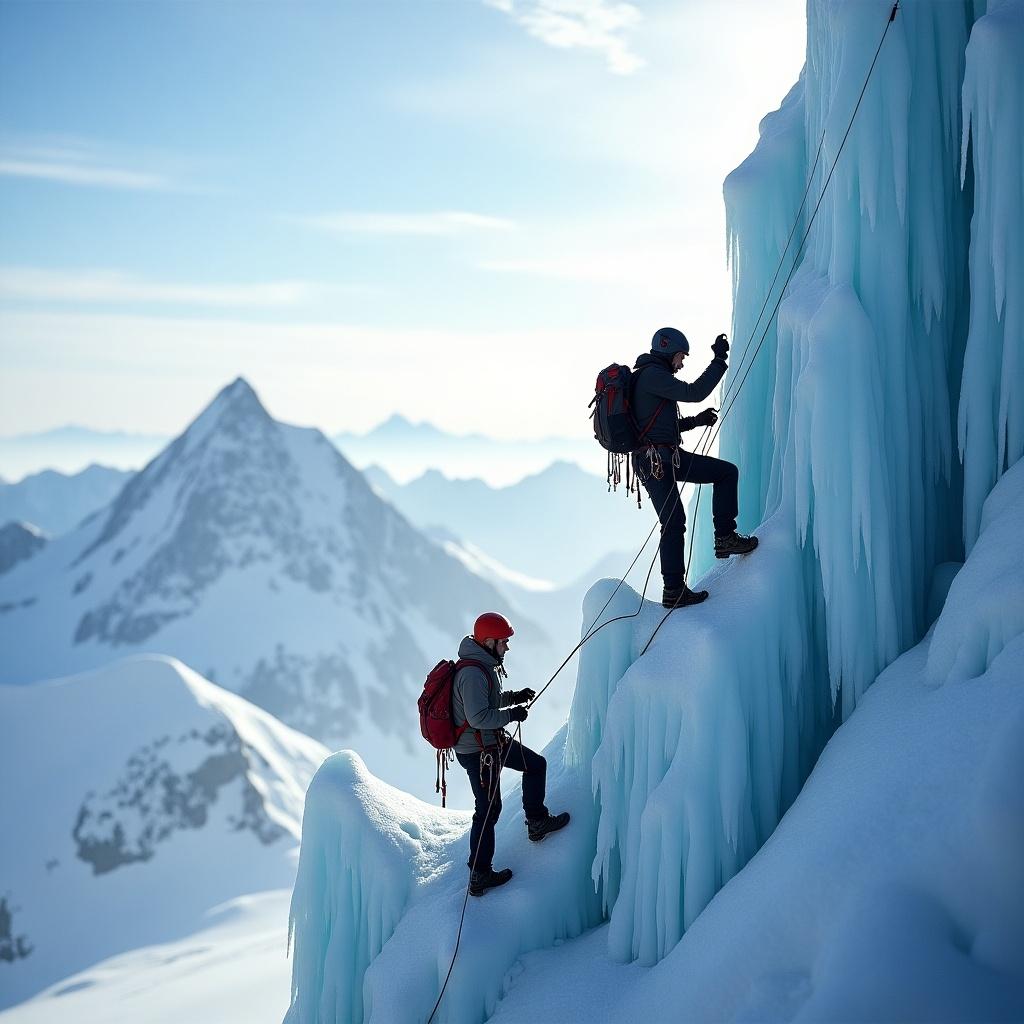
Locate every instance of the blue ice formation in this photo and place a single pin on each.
(883, 406)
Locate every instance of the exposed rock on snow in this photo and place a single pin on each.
(19, 541)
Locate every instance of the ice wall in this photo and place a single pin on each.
(856, 383)
(991, 420)
(844, 433)
(699, 746)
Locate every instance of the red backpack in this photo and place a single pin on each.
(437, 718)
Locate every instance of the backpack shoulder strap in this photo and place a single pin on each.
(643, 431)
(463, 662)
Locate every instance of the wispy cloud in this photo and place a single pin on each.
(440, 223)
(112, 286)
(82, 162)
(74, 174)
(597, 25)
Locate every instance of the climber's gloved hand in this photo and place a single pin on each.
(517, 714)
(523, 696)
(706, 418)
(720, 346)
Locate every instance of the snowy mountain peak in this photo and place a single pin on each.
(254, 551)
(235, 406)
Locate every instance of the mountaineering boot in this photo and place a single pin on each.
(734, 544)
(481, 881)
(680, 597)
(542, 827)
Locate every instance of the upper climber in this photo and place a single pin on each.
(662, 464)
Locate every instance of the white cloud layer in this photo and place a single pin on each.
(159, 371)
(37, 285)
(597, 25)
(440, 223)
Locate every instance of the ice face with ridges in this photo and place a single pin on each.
(859, 377)
(991, 418)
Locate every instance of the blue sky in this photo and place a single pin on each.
(365, 207)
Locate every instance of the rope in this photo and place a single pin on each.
(702, 447)
(727, 406)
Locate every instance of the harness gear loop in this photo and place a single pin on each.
(444, 758)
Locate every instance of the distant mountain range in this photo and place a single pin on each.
(55, 502)
(403, 448)
(71, 449)
(406, 450)
(255, 552)
(552, 526)
(137, 798)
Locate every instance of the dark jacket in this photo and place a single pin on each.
(657, 383)
(477, 698)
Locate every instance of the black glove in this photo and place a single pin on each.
(706, 418)
(720, 346)
(522, 696)
(517, 714)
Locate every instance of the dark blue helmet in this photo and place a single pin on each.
(668, 341)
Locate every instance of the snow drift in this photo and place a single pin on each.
(175, 797)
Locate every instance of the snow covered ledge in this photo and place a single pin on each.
(380, 885)
(365, 847)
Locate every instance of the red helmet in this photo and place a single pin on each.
(492, 626)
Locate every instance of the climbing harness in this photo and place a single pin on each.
(704, 443)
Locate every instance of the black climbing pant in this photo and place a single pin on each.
(520, 759)
(664, 494)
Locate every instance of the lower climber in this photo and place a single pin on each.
(484, 748)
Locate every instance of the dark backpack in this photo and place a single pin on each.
(615, 424)
(437, 716)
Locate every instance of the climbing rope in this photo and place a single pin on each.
(704, 443)
(729, 402)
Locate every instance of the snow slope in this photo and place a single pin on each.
(231, 970)
(138, 797)
(254, 551)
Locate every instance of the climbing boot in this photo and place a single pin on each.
(542, 827)
(680, 597)
(481, 881)
(734, 544)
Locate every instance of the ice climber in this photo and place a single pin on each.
(479, 701)
(663, 464)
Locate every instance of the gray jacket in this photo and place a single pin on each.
(477, 698)
(658, 384)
